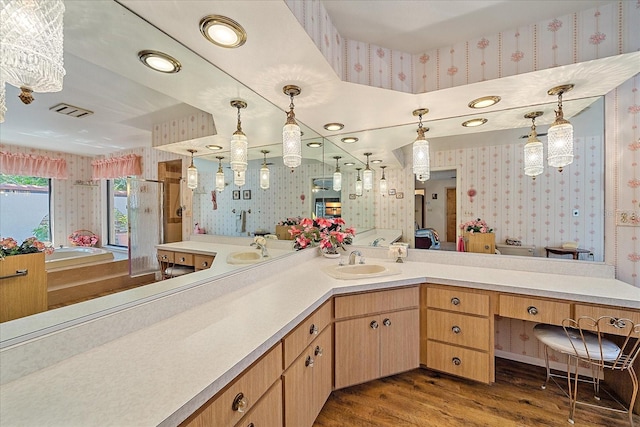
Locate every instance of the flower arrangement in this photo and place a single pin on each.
(325, 232)
(476, 226)
(83, 238)
(9, 247)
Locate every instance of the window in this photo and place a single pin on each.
(25, 207)
(117, 212)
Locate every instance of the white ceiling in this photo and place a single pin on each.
(104, 75)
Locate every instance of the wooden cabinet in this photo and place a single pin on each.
(23, 286)
(457, 332)
(534, 309)
(306, 332)
(202, 262)
(484, 243)
(267, 412)
(193, 261)
(382, 339)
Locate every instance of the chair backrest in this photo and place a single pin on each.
(588, 337)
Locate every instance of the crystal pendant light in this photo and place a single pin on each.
(337, 176)
(239, 178)
(264, 171)
(358, 183)
(239, 142)
(367, 175)
(3, 104)
(533, 149)
(421, 166)
(383, 182)
(192, 172)
(560, 134)
(291, 135)
(220, 175)
(32, 46)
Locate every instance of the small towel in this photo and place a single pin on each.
(460, 246)
(241, 222)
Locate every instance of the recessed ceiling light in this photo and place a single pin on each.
(376, 161)
(474, 122)
(485, 101)
(214, 147)
(349, 140)
(223, 31)
(349, 163)
(159, 61)
(314, 144)
(334, 126)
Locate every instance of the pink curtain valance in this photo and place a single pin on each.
(30, 165)
(117, 167)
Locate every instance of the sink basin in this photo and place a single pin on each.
(361, 271)
(245, 257)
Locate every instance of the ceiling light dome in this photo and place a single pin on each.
(484, 102)
(223, 31)
(159, 61)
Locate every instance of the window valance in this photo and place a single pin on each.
(30, 165)
(117, 167)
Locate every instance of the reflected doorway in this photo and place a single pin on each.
(436, 205)
(170, 173)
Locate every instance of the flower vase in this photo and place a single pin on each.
(329, 253)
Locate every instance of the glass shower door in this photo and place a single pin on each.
(144, 209)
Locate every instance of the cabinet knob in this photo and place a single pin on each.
(486, 246)
(318, 351)
(183, 259)
(456, 329)
(205, 264)
(532, 310)
(386, 322)
(164, 257)
(240, 403)
(455, 301)
(313, 330)
(309, 362)
(373, 324)
(456, 361)
(250, 425)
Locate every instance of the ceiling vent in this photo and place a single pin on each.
(70, 110)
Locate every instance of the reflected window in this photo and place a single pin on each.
(117, 212)
(25, 207)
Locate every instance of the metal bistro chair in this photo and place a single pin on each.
(169, 269)
(583, 342)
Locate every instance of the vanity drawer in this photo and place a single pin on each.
(458, 329)
(534, 309)
(165, 256)
(599, 311)
(454, 299)
(306, 332)
(376, 302)
(459, 361)
(183, 258)
(202, 262)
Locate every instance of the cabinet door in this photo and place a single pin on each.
(322, 350)
(399, 342)
(268, 411)
(298, 396)
(357, 351)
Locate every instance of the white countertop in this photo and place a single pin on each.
(161, 373)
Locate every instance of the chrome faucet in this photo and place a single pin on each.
(262, 247)
(377, 241)
(352, 257)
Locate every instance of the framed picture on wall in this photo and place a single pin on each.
(246, 195)
(399, 195)
(236, 194)
(392, 191)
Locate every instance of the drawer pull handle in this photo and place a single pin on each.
(455, 301)
(386, 322)
(532, 310)
(618, 323)
(456, 329)
(240, 403)
(373, 324)
(164, 257)
(183, 259)
(456, 361)
(313, 330)
(309, 362)
(205, 264)
(318, 351)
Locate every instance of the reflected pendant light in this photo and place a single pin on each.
(239, 178)
(383, 182)
(560, 134)
(358, 184)
(192, 173)
(32, 46)
(367, 175)
(291, 136)
(220, 175)
(421, 167)
(264, 172)
(3, 103)
(239, 142)
(337, 176)
(533, 149)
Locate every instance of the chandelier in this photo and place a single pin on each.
(264, 171)
(192, 172)
(31, 54)
(560, 134)
(367, 175)
(533, 149)
(383, 182)
(358, 183)
(421, 166)
(239, 143)
(291, 136)
(239, 178)
(337, 176)
(220, 175)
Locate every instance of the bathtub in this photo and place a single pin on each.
(76, 255)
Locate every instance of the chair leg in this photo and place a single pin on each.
(573, 388)
(546, 364)
(634, 381)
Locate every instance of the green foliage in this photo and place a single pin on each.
(121, 221)
(120, 184)
(41, 232)
(25, 180)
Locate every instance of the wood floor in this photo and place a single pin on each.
(426, 398)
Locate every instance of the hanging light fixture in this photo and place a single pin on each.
(192, 172)
(421, 167)
(358, 183)
(291, 136)
(239, 178)
(31, 49)
(383, 182)
(220, 175)
(533, 149)
(264, 171)
(367, 175)
(3, 104)
(560, 134)
(239, 142)
(337, 176)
